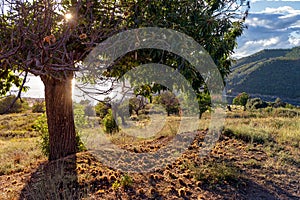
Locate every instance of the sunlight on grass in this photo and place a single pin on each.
(18, 154)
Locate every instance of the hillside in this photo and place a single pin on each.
(268, 74)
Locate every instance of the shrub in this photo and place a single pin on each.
(109, 123)
(214, 172)
(39, 107)
(80, 119)
(170, 102)
(16, 108)
(279, 103)
(101, 109)
(255, 103)
(241, 99)
(41, 126)
(125, 181)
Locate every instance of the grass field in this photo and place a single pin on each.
(256, 157)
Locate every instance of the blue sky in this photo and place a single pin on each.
(271, 24)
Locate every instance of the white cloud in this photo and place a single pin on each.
(280, 10)
(294, 38)
(296, 24)
(264, 43)
(285, 11)
(253, 46)
(258, 22)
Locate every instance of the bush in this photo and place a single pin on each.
(109, 123)
(79, 116)
(215, 173)
(136, 104)
(241, 99)
(39, 107)
(170, 102)
(248, 134)
(255, 103)
(125, 181)
(101, 109)
(279, 103)
(16, 108)
(41, 126)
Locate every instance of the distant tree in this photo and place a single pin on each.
(294, 53)
(241, 99)
(109, 123)
(279, 103)
(18, 106)
(169, 101)
(255, 103)
(136, 104)
(102, 108)
(39, 107)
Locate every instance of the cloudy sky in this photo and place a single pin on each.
(271, 24)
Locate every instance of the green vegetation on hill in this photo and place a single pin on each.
(269, 73)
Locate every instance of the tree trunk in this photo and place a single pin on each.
(60, 119)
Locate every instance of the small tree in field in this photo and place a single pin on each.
(170, 102)
(241, 99)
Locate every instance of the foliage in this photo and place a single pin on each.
(109, 123)
(170, 102)
(241, 99)
(279, 103)
(39, 107)
(199, 19)
(41, 126)
(79, 116)
(294, 53)
(18, 106)
(136, 104)
(255, 103)
(214, 172)
(204, 103)
(89, 110)
(8, 79)
(125, 181)
(102, 108)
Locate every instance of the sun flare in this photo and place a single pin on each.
(68, 16)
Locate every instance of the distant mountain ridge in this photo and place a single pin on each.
(267, 74)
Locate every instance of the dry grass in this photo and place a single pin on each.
(18, 155)
(266, 141)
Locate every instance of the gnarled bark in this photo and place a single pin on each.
(60, 119)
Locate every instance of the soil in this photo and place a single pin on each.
(82, 176)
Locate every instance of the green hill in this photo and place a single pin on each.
(268, 74)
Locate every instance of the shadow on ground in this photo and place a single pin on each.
(53, 180)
